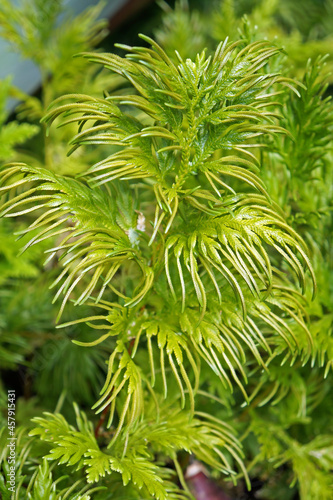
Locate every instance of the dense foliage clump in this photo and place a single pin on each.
(187, 237)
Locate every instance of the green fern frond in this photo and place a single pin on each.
(187, 263)
(310, 461)
(232, 245)
(79, 448)
(224, 339)
(130, 455)
(127, 375)
(220, 97)
(309, 120)
(192, 110)
(43, 484)
(37, 482)
(66, 201)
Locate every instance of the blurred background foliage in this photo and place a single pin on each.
(287, 430)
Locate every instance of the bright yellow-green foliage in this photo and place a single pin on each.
(191, 243)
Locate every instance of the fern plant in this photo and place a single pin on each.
(194, 276)
(304, 29)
